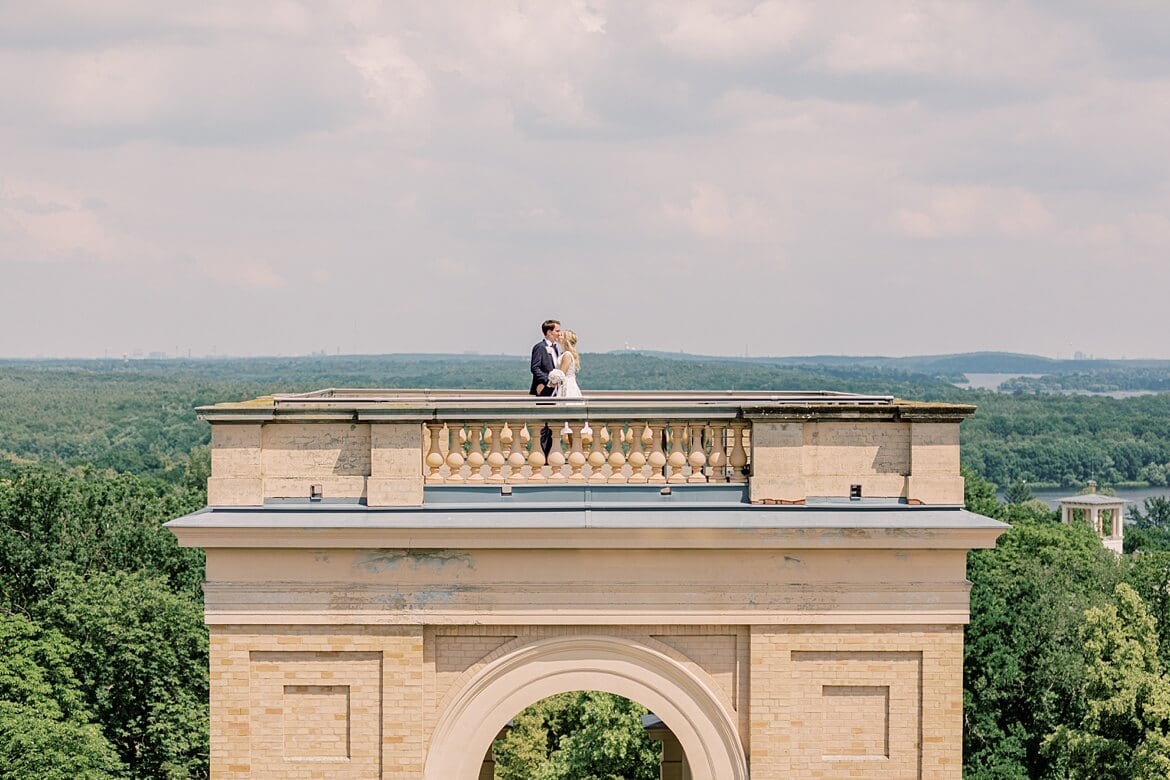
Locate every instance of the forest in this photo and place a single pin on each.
(103, 652)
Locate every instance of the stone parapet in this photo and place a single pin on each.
(381, 448)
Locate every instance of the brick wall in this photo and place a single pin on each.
(296, 703)
(837, 702)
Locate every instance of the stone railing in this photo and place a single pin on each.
(385, 447)
(623, 451)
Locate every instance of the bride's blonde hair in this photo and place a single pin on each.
(569, 340)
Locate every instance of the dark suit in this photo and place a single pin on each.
(543, 361)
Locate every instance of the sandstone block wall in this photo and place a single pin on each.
(297, 702)
(383, 462)
(300, 702)
(840, 702)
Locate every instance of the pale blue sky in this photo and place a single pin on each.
(779, 177)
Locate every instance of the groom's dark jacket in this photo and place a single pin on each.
(542, 362)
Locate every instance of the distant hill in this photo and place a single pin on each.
(962, 363)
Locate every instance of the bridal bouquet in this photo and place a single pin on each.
(556, 377)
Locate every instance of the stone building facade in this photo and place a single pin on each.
(393, 575)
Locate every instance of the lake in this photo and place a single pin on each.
(993, 381)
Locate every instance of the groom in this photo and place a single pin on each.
(545, 356)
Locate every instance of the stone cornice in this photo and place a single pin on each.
(597, 528)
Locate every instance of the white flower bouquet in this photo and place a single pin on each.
(556, 377)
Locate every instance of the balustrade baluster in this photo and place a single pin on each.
(657, 459)
(738, 458)
(556, 455)
(577, 458)
(596, 455)
(454, 452)
(617, 458)
(517, 457)
(698, 456)
(434, 459)
(637, 456)
(677, 458)
(495, 458)
(717, 460)
(536, 459)
(475, 457)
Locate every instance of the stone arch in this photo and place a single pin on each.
(504, 687)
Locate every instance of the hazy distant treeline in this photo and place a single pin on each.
(138, 416)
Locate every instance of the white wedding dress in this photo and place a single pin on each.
(568, 388)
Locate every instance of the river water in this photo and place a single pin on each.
(993, 381)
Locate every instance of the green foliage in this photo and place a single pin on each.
(1018, 492)
(1065, 440)
(94, 521)
(1154, 513)
(1149, 575)
(137, 416)
(1149, 528)
(85, 555)
(979, 495)
(583, 735)
(113, 636)
(46, 730)
(1124, 731)
(1023, 670)
(142, 660)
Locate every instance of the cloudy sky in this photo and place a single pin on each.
(780, 178)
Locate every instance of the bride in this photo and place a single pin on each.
(569, 366)
(568, 387)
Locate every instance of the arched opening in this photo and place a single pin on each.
(683, 700)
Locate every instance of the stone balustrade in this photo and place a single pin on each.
(386, 447)
(655, 452)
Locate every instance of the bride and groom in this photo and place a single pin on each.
(555, 362)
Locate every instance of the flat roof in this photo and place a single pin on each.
(425, 404)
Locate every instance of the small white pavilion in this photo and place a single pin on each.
(1105, 514)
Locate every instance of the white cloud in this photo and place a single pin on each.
(954, 212)
(721, 31)
(394, 82)
(51, 224)
(286, 157)
(710, 213)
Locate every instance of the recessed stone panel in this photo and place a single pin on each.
(862, 713)
(316, 722)
(855, 721)
(315, 714)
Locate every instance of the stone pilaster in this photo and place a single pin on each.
(777, 462)
(934, 464)
(396, 459)
(236, 477)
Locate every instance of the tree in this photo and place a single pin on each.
(1124, 733)
(96, 521)
(582, 735)
(1023, 669)
(1155, 513)
(979, 494)
(608, 744)
(1018, 492)
(1149, 575)
(46, 730)
(1149, 526)
(141, 657)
